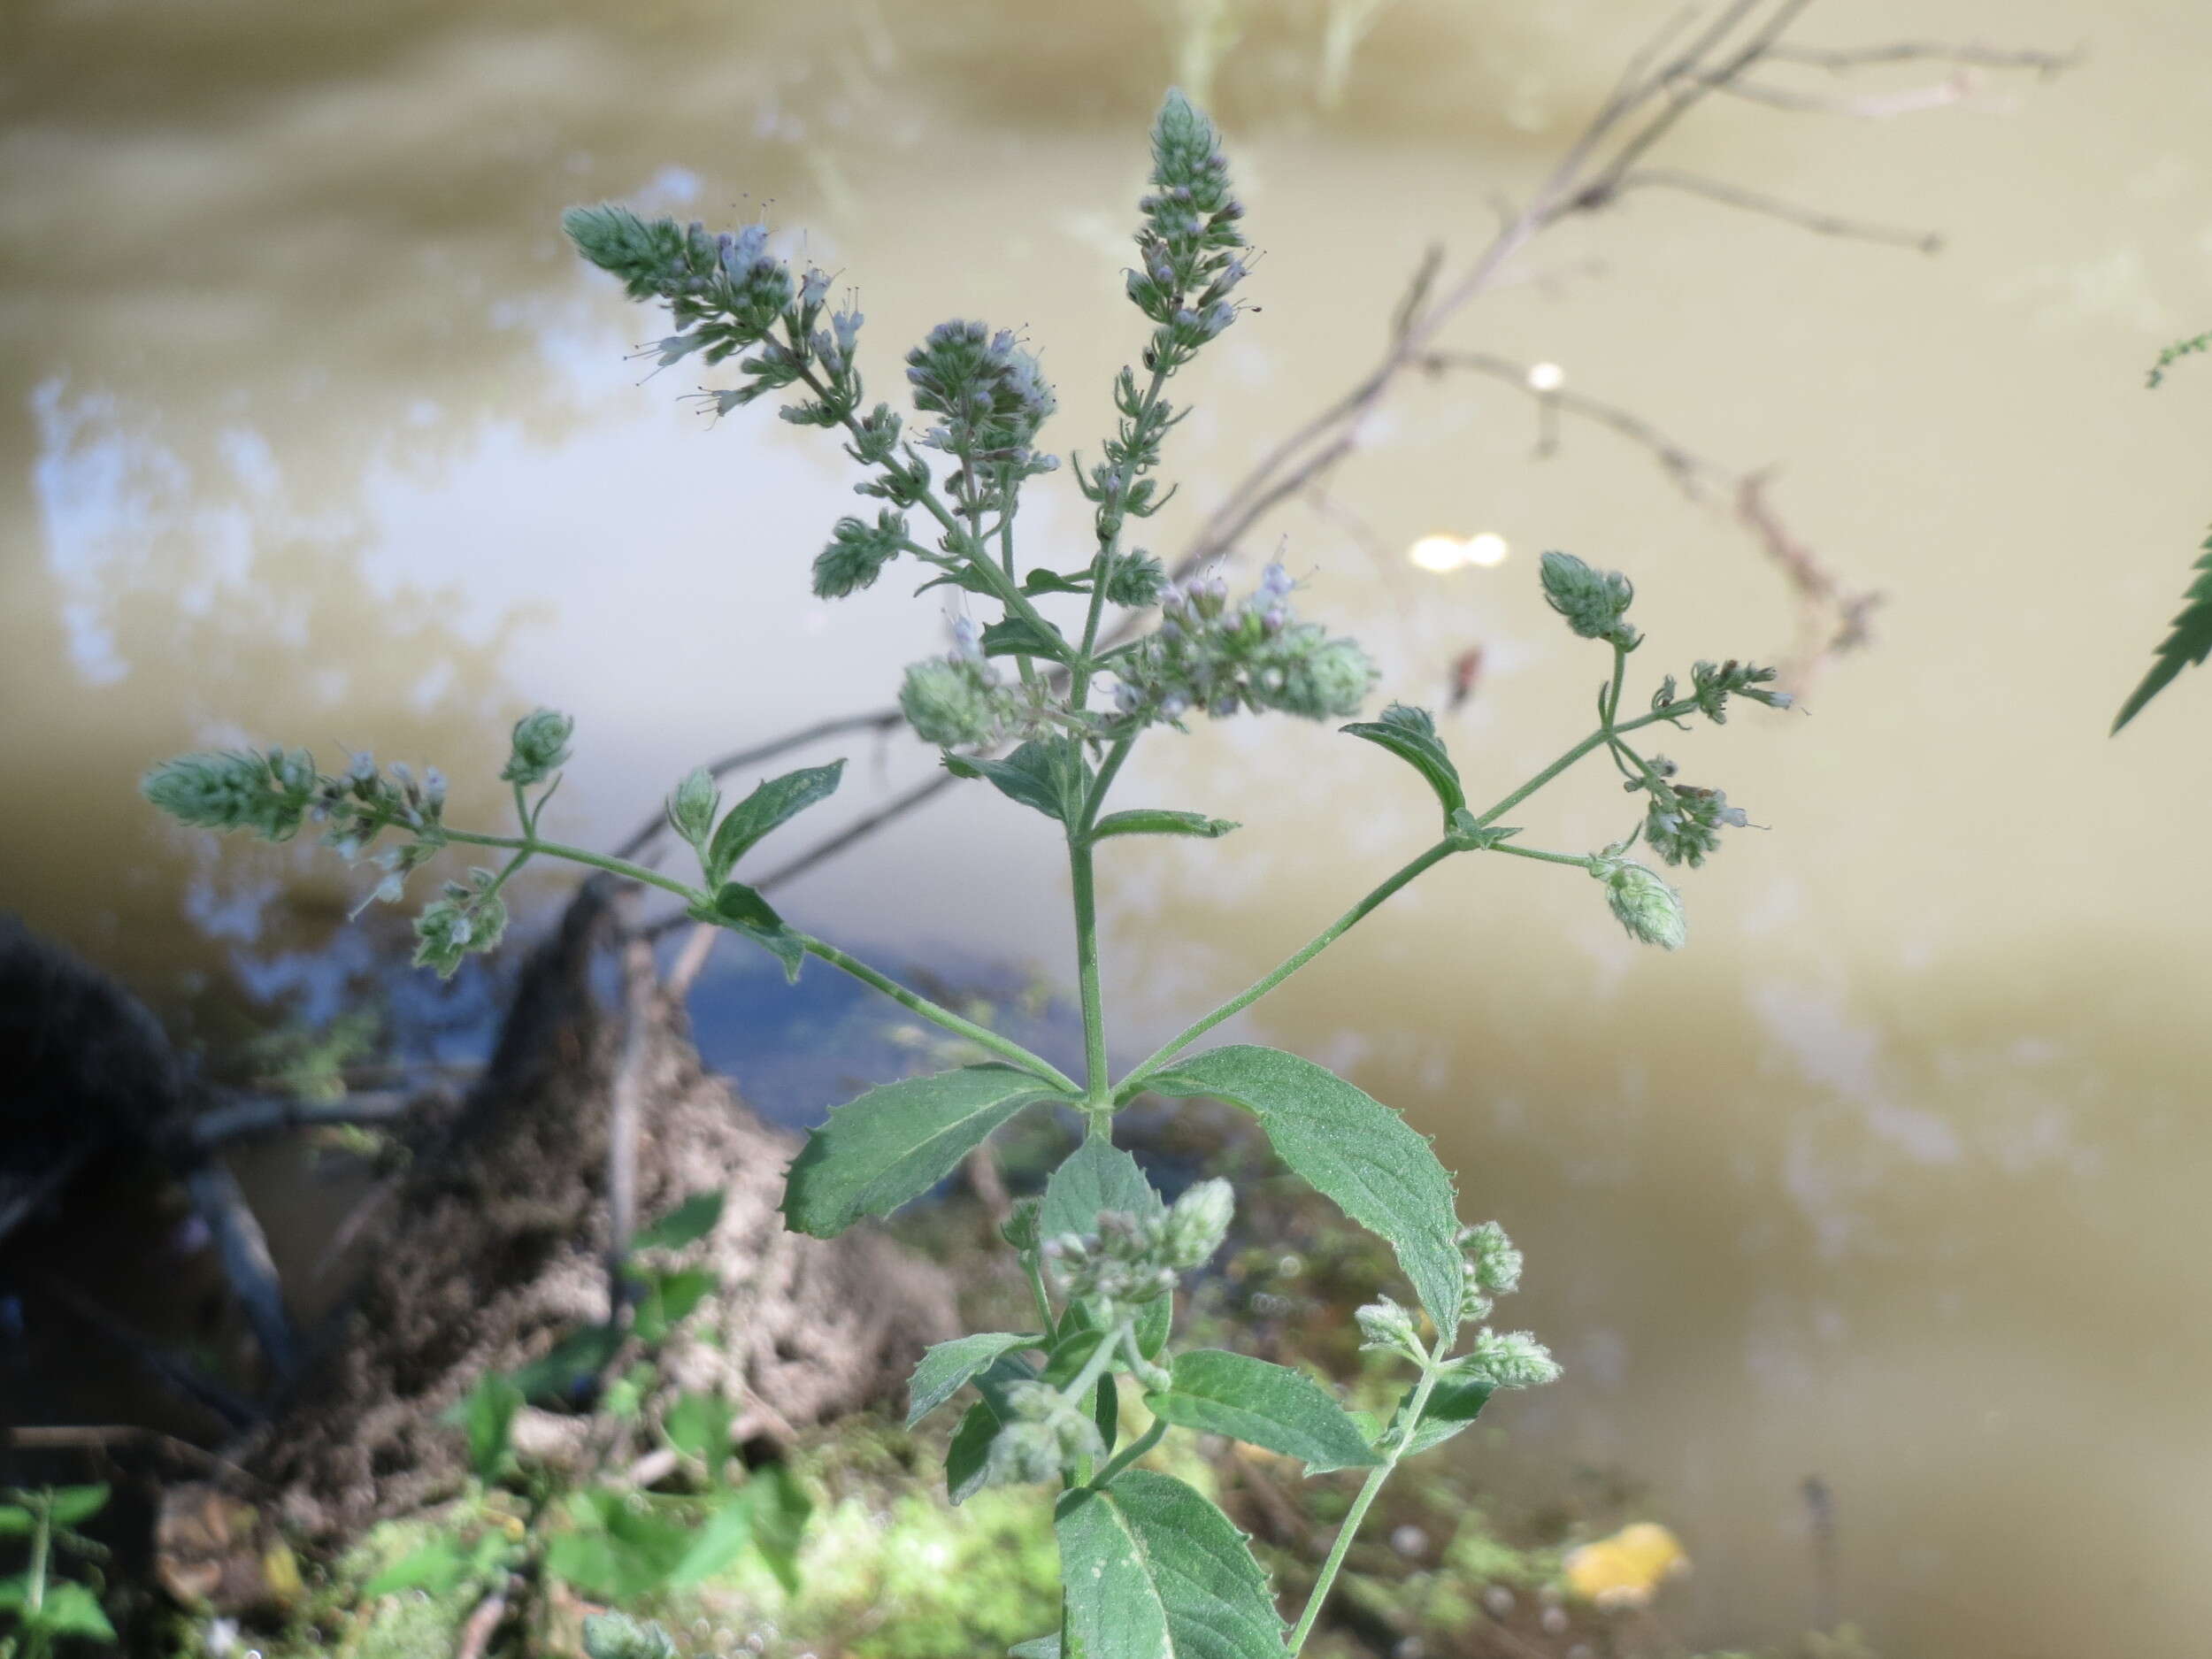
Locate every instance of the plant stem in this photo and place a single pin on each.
(1095, 1097)
(1367, 1493)
(1103, 566)
(1130, 1453)
(1044, 1301)
(983, 1036)
(1580, 861)
(1244, 999)
(527, 844)
(1604, 734)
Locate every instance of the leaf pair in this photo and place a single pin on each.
(775, 803)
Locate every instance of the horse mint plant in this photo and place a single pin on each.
(1047, 713)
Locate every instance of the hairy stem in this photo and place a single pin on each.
(982, 1036)
(1130, 1453)
(1244, 999)
(1096, 1093)
(1367, 1493)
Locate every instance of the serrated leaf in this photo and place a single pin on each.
(1097, 1175)
(1018, 636)
(1154, 1571)
(689, 1223)
(1349, 1148)
(1454, 1403)
(947, 1367)
(1219, 1393)
(895, 1143)
(775, 802)
(1161, 821)
(1411, 735)
(966, 578)
(2186, 646)
(1048, 773)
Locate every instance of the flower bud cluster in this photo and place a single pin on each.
(1595, 603)
(469, 915)
(1506, 1359)
(539, 746)
(1132, 1260)
(1386, 1327)
(727, 294)
(1045, 1433)
(1645, 906)
(1209, 656)
(271, 795)
(857, 554)
(694, 808)
(1187, 266)
(956, 701)
(1683, 822)
(992, 398)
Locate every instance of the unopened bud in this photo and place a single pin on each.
(1197, 1224)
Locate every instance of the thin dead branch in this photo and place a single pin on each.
(254, 1119)
(1843, 59)
(1820, 223)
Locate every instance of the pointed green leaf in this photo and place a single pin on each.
(1154, 1571)
(774, 803)
(967, 1459)
(2187, 645)
(689, 1223)
(1411, 735)
(894, 1143)
(779, 1509)
(1351, 1148)
(1048, 773)
(698, 1425)
(1248, 1399)
(1097, 1175)
(437, 1566)
(1160, 821)
(1040, 1648)
(946, 1368)
(726, 1535)
(1454, 1403)
(742, 909)
(73, 1506)
(71, 1609)
(486, 1412)
(1044, 581)
(1018, 636)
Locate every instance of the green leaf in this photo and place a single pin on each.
(2188, 644)
(1160, 821)
(487, 1413)
(1106, 1410)
(946, 1368)
(1018, 636)
(779, 1509)
(1352, 1149)
(1454, 1403)
(698, 1425)
(774, 803)
(742, 910)
(437, 1566)
(578, 1357)
(617, 1552)
(670, 1299)
(1044, 581)
(1154, 1571)
(895, 1143)
(1097, 1175)
(727, 1534)
(71, 1609)
(1048, 773)
(966, 1460)
(72, 1506)
(1411, 735)
(689, 1223)
(1038, 1648)
(16, 1523)
(1248, 1399)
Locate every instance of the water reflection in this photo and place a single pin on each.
(1893, 1177)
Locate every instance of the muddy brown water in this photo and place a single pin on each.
(1895, 1177)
